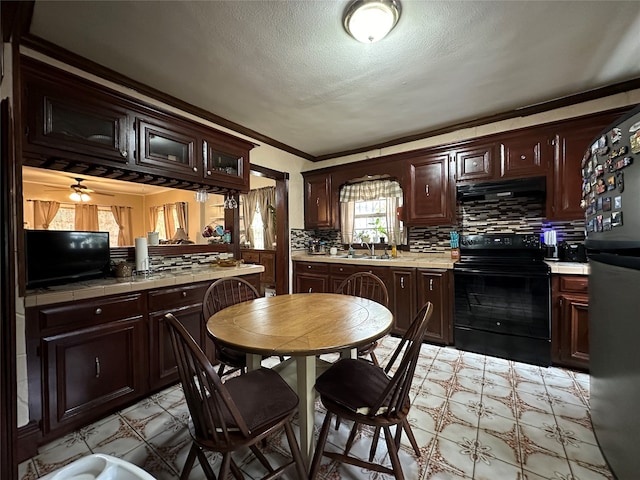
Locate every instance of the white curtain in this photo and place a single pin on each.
(249, 204)
(367, 191)
(43, 213)
(266, 200)
(122, 216)
(169, 223)
(183, 220)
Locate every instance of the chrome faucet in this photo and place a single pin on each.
(371, 249)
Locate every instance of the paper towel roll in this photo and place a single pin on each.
(142, 254)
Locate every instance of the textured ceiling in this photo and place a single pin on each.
(287, 69)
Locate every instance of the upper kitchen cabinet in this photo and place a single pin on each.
(226, 160)
(430, 190)
(571, 141)
(168, 146)
(72, 120)
(318, 203)
(475, 163)
(525, 154)
(74, 125)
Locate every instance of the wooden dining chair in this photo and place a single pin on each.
(366, 285)
(357, 390)
(221, 294)
(235, 415)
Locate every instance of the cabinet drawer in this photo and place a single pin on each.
(342, 269)
(95, 311)
(251, 257)
(168, 298)
(574, 283)
(312, 267)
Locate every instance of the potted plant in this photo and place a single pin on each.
(379, 230)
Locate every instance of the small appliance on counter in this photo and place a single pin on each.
(550, 245)
(572, 252)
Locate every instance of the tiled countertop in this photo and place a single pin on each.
(418, 260)
(109, 286)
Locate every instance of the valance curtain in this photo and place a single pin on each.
(86, 218)
(367, 191)
(43, 213)
(123, 218)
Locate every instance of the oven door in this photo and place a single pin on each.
(505, 300)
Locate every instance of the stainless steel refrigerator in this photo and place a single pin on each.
(611, 195)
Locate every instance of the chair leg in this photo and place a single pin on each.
(352, 437)
(374, 359)
(393, 454)
(295, 451)
(221, 370)
(188, 464)
(237, 473)
(225, 467)
(204, 463)
(411, 437)
(259, 455)
(322, 439)
(374, 443)
(337, 422)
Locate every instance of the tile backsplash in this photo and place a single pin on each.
(512, 215)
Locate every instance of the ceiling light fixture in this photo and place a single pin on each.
(79, 196)
(371, 20)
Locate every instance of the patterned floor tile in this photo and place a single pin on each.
(473, 417)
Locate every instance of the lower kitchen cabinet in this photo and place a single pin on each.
(185, 302)
(266, 258)
(402, 293)
(311, 277)
(435, 286)
(570, 321)
(85, 359)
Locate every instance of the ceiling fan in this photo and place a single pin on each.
(80, 192)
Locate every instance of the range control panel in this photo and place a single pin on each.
(501, 241)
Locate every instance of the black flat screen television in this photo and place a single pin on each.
(60, 256)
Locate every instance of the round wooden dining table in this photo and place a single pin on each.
(302, 326)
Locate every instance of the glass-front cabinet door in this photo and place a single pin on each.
(65, 119)
(226, 161)
(167, 147)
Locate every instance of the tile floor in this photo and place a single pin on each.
(474, 417)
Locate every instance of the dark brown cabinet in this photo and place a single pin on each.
(185, 302)
(430, 191)
(570, 321)
(475, 163)
(525, 154)
(72, 120)
(311, 277)
(73, 125)
(402, 292)
(570, 143)
(167, 146)
(85, 359)
(266, 258)
(435, 286)
(318, 210)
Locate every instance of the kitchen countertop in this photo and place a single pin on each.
(568, 268)
(109, 286)
(404, 259)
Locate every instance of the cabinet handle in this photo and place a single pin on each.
(195, 169)
(431, 284)
(184, 294)
(98, 311)
(97, 367)
(426, 189)
(124, 153)
(308, 266)
(310, 289)
(208, 172)
(342, 269)
(523, 157)
(401, 282)
(317, 201)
